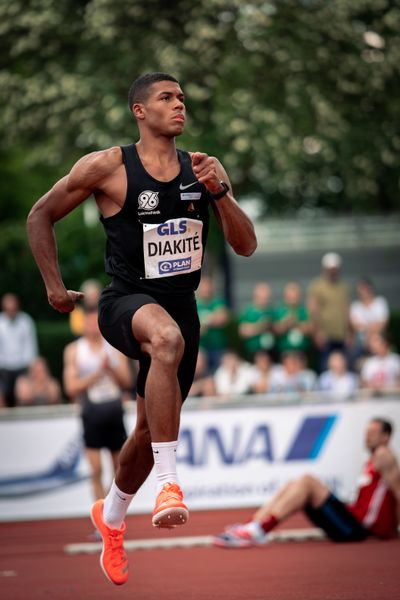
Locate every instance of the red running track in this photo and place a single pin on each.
(34, 566)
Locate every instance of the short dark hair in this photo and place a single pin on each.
(386, 426)
(367, 282)
(139, 90)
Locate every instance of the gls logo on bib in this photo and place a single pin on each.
(148, 202)
(172, 247)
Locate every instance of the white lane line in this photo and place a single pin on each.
(288, 535)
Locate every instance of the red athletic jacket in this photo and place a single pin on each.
(375, 506)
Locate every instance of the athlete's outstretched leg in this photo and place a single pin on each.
(295, 496)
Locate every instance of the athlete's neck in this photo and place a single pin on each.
(159, 157)
(94, 341)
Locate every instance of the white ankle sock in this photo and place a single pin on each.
(115, 507)
(165, 463)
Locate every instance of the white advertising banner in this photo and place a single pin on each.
(233, 457)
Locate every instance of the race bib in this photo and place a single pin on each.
(172, 248)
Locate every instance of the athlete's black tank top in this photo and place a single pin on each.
(179, 204)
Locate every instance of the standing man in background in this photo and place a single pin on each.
(256, 322)
(91, 290)
(328, 303)
(154, 204)
(95, 375)
(214, 316)
(18, 345)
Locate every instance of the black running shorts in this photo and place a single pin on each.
(337, 521)
(116, 309)
(103, 425)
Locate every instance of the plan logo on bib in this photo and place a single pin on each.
(148, 202)
(172, 247)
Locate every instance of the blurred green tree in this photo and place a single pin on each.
(298, 98)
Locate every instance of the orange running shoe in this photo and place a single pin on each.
(113, 559)
(170, 509)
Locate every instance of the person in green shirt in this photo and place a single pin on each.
(256, 320)
(213, 315)
(292, 325)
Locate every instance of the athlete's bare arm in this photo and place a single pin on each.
(237, 227)
(73, 383)
(120, 370)
(90, 175)
(385, 462)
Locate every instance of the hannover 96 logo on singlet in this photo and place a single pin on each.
(147, 203)
(172, 247)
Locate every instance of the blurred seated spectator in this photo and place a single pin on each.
(368, 315)
(18, 345)
(255, 322)
(381, 371)
(328, 304)
(213, 315)
(291, 321)
(37, 387)
(233, 376)
(262, 369)
(203, 383)
(292, 375)
(92, 290)
(338, 381)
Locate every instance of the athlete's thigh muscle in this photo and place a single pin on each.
(116, 311)
(185, 316)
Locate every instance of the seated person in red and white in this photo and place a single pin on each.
(376, 511)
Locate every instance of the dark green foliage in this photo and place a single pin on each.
(298, 98)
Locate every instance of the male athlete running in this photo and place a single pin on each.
(153, 201)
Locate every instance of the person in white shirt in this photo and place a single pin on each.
(381, 371)
(338, 382)
(368, 315)
(292, 375)
(262, 369)
(18, 345)
(233, 376)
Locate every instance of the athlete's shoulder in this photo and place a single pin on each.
(93, 168)
(70, 350)
(383, 457)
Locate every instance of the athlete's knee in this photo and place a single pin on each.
(168, 345)
(307, 478)
(309, 481)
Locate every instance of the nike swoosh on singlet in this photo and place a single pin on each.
(184, 187)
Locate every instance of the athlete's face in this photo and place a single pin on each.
(163, 112)
(374, 436)
(91, 325)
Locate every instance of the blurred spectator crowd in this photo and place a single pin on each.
(317, 339)
(312, 340)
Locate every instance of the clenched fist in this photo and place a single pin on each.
(206, 170)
